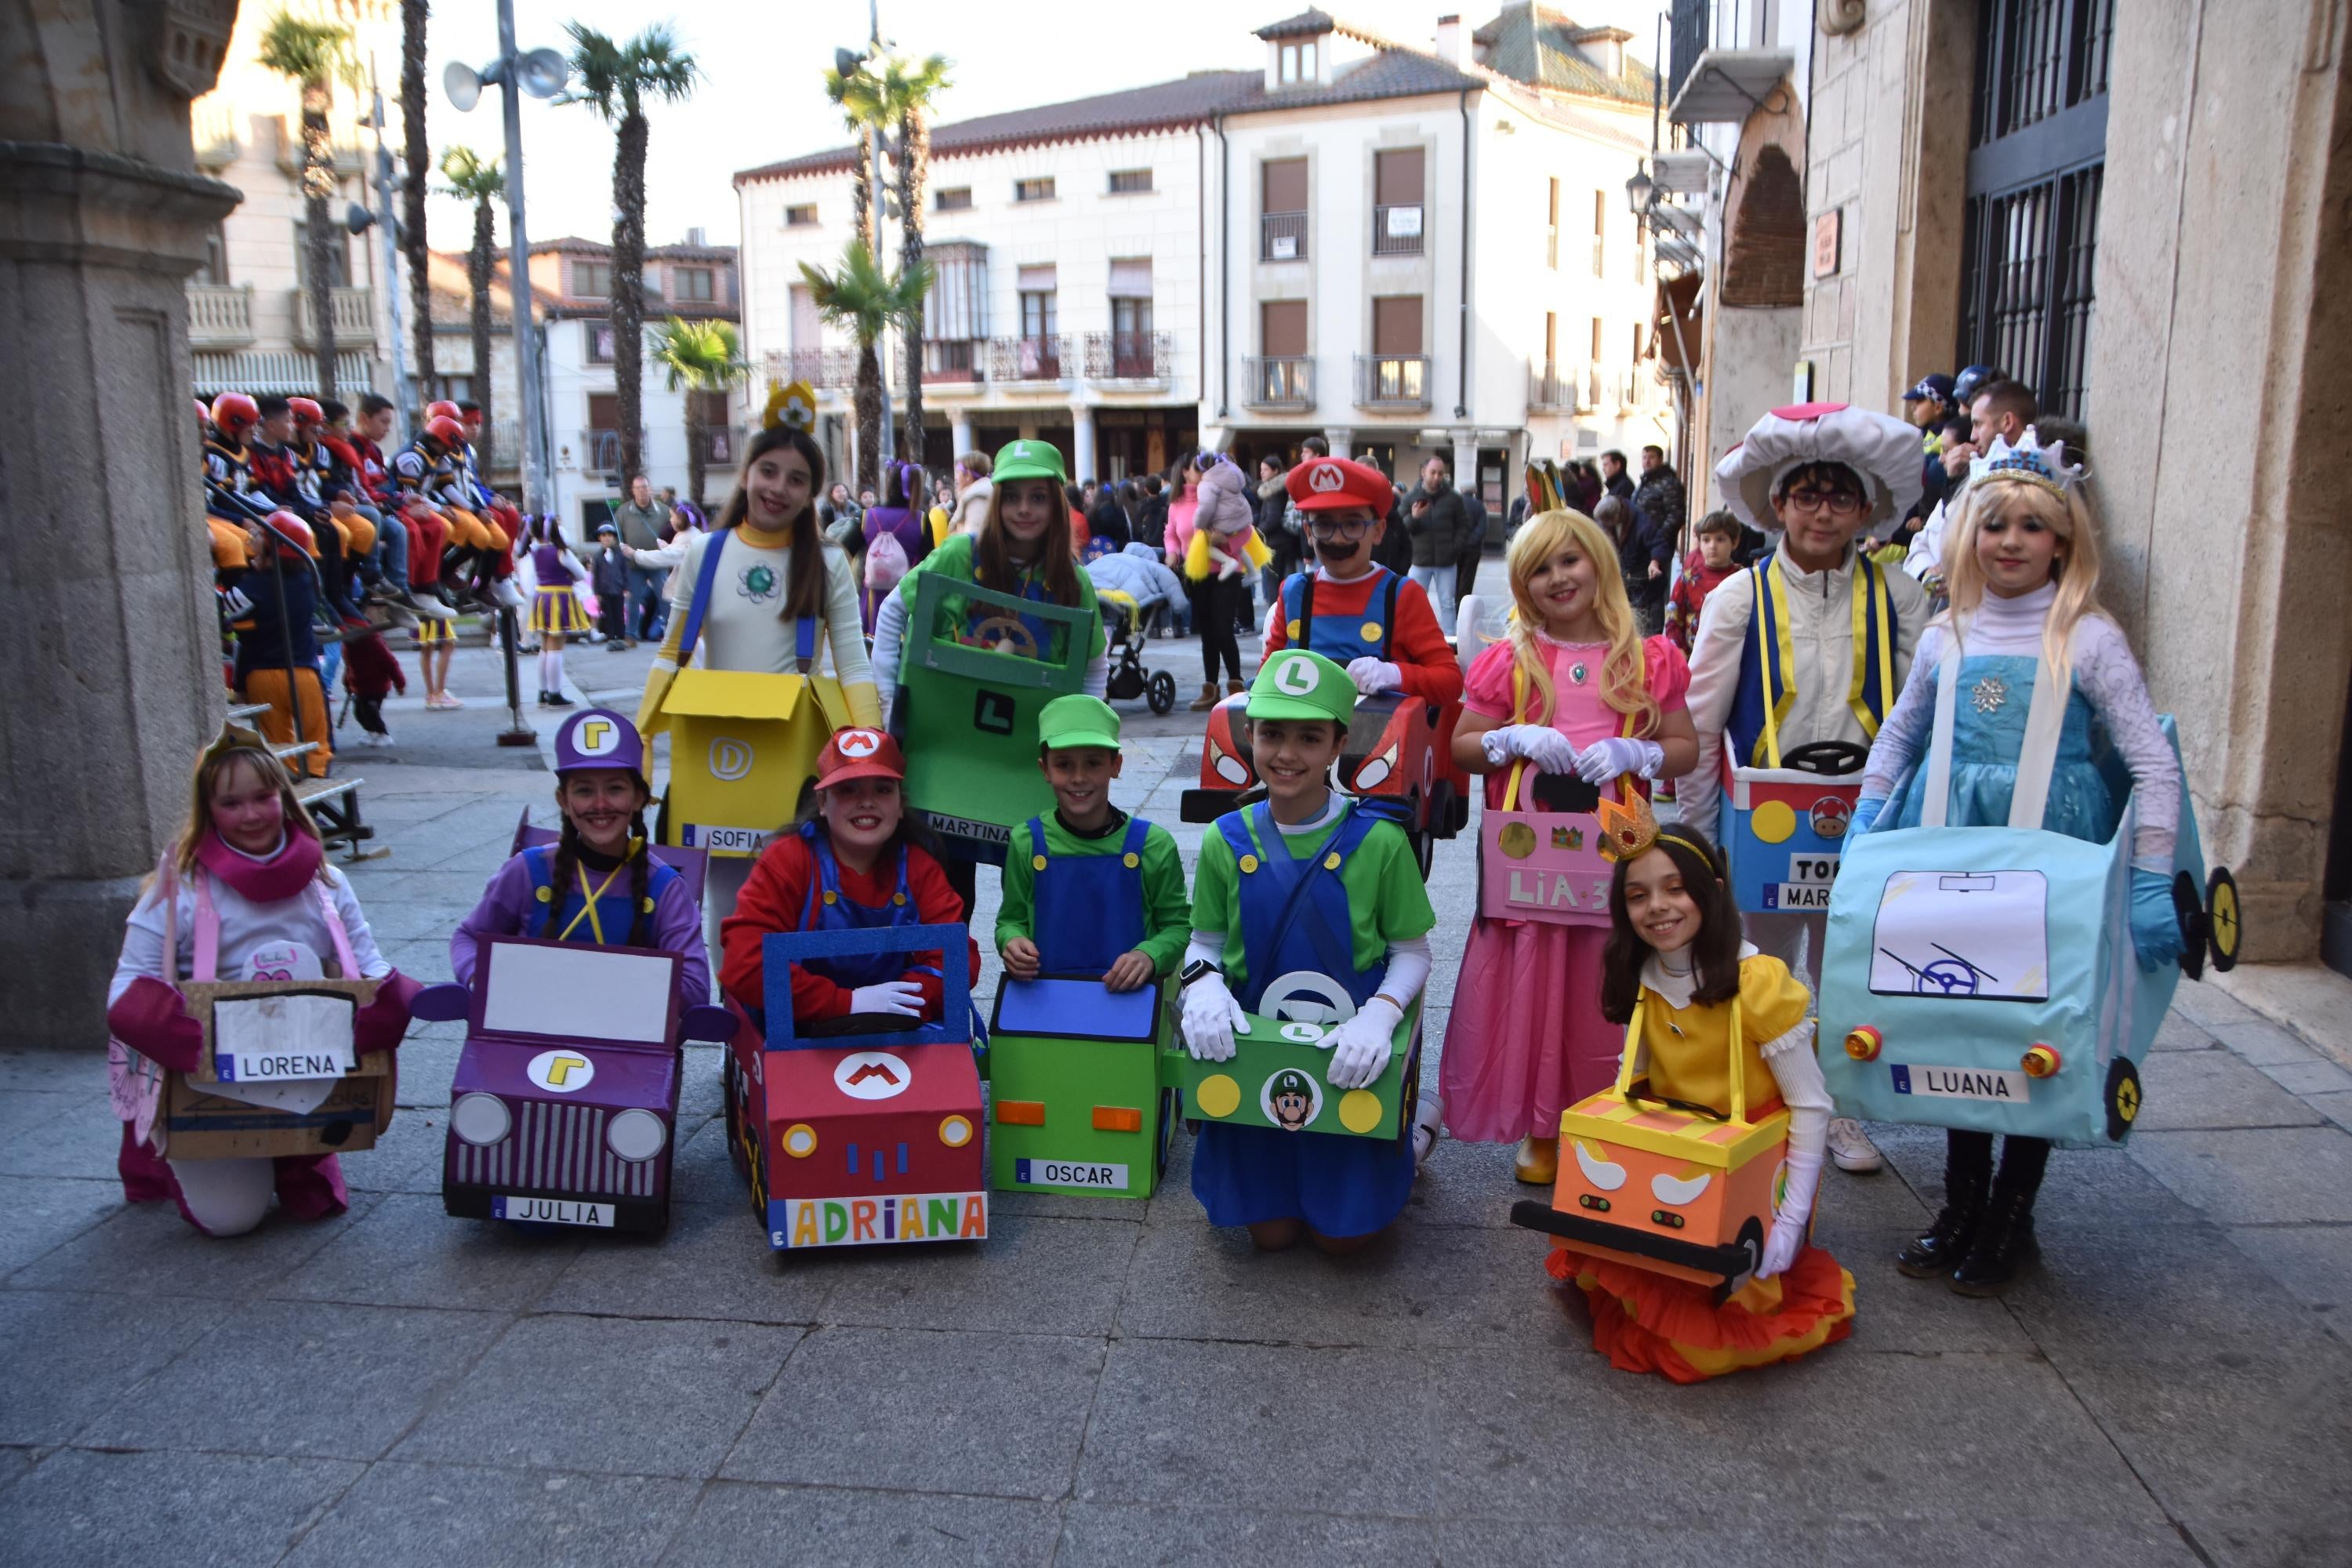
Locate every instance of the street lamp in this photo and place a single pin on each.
(541, 73)
(1641, 190)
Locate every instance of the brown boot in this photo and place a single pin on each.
(1234, 689)
(1206, 700)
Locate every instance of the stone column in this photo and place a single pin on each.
(1465, 457)
(108, 649)
(959, 430)
(1343, 441)
(1082, 443)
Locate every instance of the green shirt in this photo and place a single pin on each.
(954, 559)
(1386, 900)
(1167, 917)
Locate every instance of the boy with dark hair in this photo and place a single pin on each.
(1709, 564)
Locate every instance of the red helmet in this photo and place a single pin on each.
(293, 531)
(306, 411)
(470, 417)
(234, 414)
(443, 409)
(203, 412)
(446, 430)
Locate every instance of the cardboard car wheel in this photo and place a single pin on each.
(1170, 1103)
(2190, 913)
(2222, 930)
(2123, 1098)
(1160, 692)
(729, 1086)
(1749, 1240)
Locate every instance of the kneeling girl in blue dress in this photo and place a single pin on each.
(2023, 576)
(1308, 885)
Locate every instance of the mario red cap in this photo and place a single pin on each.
(858, 753)
(1324, 484)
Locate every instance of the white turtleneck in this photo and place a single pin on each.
(2104, 672)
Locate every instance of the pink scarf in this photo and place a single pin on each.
(280, 876)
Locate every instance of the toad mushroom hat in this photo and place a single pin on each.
(1881, 448)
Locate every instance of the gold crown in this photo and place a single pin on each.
(234, 738)
(793, 404)
(1628, 831)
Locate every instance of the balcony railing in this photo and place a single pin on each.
(824, 369)
(220, 315)
(354, 316)
(281, 371)
(1691, 29)
(1396, 231)
(1036, 358)
(1575, 388)
(1282, 236)
(599, 453)
(1278, 382)
(1393, 381)
(953, 361)
(1129, 356)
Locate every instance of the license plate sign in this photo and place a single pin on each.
(1071, 1173)
(553, 1211)
(1961, 1083)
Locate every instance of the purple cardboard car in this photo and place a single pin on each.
(564, 1110)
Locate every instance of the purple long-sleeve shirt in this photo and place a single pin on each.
(509, 908)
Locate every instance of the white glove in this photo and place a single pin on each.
(1545, 747)
(1360, 1047)
(1210, 1016)
(1606, 758)
(1795, 1214)
(901, 997)
(1374, 675)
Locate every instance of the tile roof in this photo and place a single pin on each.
(1306, 25)
(1533, 44)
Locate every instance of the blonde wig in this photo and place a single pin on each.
(1624, 679)
(2075, 569)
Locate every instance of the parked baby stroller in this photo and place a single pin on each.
(1123, 624)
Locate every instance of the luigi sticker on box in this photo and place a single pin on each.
(1307, 907)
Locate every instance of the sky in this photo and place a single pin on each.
(762, 96)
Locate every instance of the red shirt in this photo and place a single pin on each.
(1417, 647)
(777, 892)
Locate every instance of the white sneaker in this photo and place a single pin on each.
(1851, 1148)
(1428, 1116)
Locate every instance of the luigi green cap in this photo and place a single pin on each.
(1029, 459)
(1297, 684)
(1290, 1080)
(1078, 720)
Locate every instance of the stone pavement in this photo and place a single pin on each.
(1107, 1382)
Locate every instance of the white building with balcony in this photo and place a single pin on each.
(250, 321)
(1068, 304)
(1427, 251)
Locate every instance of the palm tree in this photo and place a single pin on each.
(480, 180)
(615, 80)
(315, 55)
(416, 154)
(909, 90)
(867, 301)
(859, 97)
(701, 356)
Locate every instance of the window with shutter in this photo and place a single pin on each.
(1398, 210)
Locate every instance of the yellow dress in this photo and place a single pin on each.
(1649, 1323)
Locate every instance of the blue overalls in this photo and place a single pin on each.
(612, 922)
(1341, 638)
(1087, 909)
(1295, 917)
(830, 908)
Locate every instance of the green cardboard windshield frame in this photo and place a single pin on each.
(1245, 1092)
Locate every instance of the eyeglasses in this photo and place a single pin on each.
(1320, 529)
(1837, 503)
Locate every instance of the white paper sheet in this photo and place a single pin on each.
(572, 992)
(1950, 933)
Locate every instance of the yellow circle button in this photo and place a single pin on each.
(1248, 864)
(1332, 861)
(1360, 1110)
(1218, 1096)
(831, 898)
(1370, 631)
(1131, 859)
(1772, 822)
(1036, 862)
(1292, 629)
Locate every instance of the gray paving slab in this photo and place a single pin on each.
(1034, 1275)
(300, 1377)
(408, 1252)
(63, 1134)
(2169, 1298)
(428, 1065)
(2314, 1261)
(740, 1523)
(2255, 1178)
(1262, 1426)
(13, 1464)
(1113, 1535)
(609, 1395)
(2208, 1004)
(2178, 1032)
(45, 1212)
(1711, 1542)
(2268, 1543)
(1465, 1184)
(441, 1516)
(134, 1511)
(2188, 1091)
(714, 1263)
(1000, 1414)
(2262, 1042)
(702, 1171)
(2310, 1078)
(72, 1072)
(75, 1354)
(1900, 1316)
(2105, 1185)
(147, 1250)
(2336, 1107)
(1853, 1435)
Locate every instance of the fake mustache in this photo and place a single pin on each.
(1338, 549)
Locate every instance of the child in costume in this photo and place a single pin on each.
(1675, 957)
(1348, 607)
(895, 538)
(245, 892)
(1707, 567)
(2023, 576)
(274, 606)
(555, 611)
(1817, 636)
(1090, 889)
(1306, 873)
(610, 574)
(852, 862)
(761, 591)
(1575, 689)
(598, 883)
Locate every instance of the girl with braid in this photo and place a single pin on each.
(596, 883)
